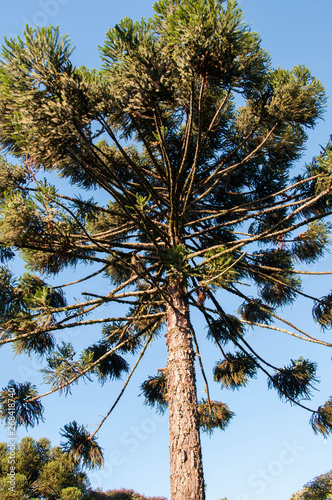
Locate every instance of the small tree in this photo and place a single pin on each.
(190, 138)
(40, 471)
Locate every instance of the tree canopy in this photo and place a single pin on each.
(319, 488)
(40, 471)
(191, 140)
(122, 494)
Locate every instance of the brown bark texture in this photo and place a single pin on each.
(186, 477)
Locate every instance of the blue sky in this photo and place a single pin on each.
(269, 450)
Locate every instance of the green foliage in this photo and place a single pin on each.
(68, 482)
(176, 262)
(28, 305)
(213, 415)
(11, 176)
(122, 494)
(321, 420)
(234, 371)
(196, 201)
(291, 89)
(19, 492)
(50, 55)
(280, 293)
(213, 41)
(322, 311)
(81, 447)
(20, 405)
(277, 286)
(310, 245)
(127, 54)
(71, 493)
(119, 269)
(109, 366)
(295, 380)
(6, 254)
(225, 329)
(31, 456)
(219, 268)
(22, 218)
(154, 390)
(41, 471)
(319, 488)
(255, 311)
(62, 368)
(321, 167)
(37, 294)
(117, 333)
(8, 299)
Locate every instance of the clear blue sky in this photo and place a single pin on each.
(269, 450)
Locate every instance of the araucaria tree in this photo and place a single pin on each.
(189, 136)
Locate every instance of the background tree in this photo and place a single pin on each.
(122, 494)
(191, 137)
(41, 471)
(320, 488)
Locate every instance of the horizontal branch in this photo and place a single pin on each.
(91, 366)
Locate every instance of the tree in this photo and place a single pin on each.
(120, 495)
(190, 138)
(43, 471)
(320, 488)
(40, 471)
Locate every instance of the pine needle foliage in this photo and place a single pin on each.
(321, 421)
(28, 305)
(114, 333)
(226, 328)
(62, 368)
(16, 409)
(81, 447)
(319, 488)
(112, 366)
(322, 311)
(219, 268)
(213, 415)
(154, 390)
(235, 371)
(255, 311)
(295, 380)
(197, 199)
(309, 246)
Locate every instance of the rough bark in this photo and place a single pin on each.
(187, 481)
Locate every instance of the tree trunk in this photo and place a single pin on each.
(187, 481)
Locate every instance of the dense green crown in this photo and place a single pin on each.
(41, 471)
